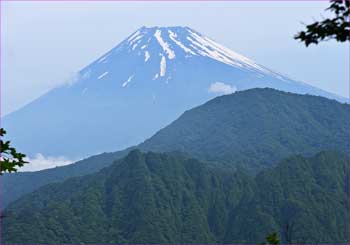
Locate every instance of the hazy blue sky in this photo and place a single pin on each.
(44, 43)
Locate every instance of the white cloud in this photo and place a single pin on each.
(74, 77)
(40, 162)
(222, 88)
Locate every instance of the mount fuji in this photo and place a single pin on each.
(138, 87)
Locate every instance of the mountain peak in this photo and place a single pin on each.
(160, 53)
(186, 42)
(149, 28)
(166, 45)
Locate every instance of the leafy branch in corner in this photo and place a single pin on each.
(10, 159)
(337, 28)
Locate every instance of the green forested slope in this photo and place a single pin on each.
(15, 185)
(253, 129)
(257, 128)
(309, 195)
(170, 198)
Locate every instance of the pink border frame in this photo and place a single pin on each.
(126, 1)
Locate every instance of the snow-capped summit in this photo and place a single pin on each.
(167, 45)
(135, 89)
(184, 42)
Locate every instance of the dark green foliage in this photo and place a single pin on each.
(15, 185)
(171, 198)
(303, 199)
(337, 28)
(145, 198)
(256, 128)
(10, 159)
(252, 129)
(272, 239)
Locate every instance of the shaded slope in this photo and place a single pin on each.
(162, 198)
(15, 185)
(310, 196)
(143, 198)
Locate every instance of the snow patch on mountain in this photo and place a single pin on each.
(162, 66)
(134, 46)
(147, 56)
(155, 76)
(204, 49)
(164, 45)
(127, 81)
(134, 35)
(136, 40)
(103, 75)
(102, 59)
(173, 37)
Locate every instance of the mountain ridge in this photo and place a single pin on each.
(248, 128)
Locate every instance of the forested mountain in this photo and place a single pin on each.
(15, 185)
(171, 198)
(306, 200)
(256, 128)
(251, 129)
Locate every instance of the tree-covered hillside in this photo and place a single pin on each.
(305, 200)
(171, 198)
(253, 129)
(15, 185)
(257, 128)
